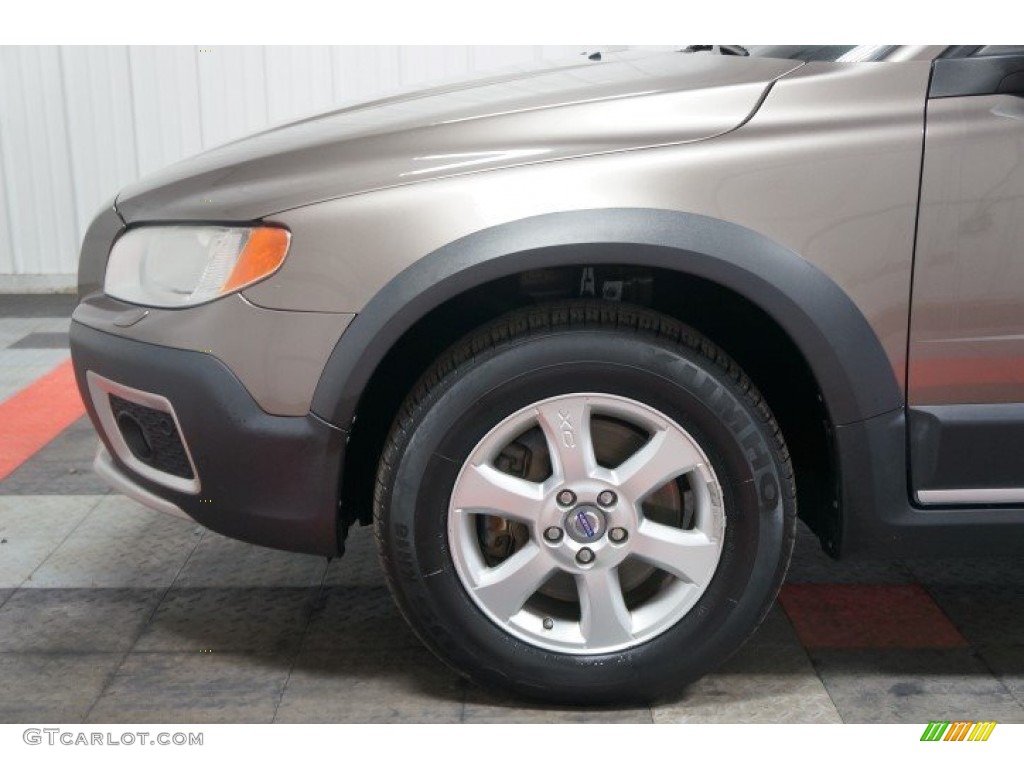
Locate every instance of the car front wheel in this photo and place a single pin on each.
(586, 503)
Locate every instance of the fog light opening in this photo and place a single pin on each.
(134, 436)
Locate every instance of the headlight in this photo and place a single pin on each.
(184, 265)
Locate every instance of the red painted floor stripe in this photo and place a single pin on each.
(868, 616)
(37, 414)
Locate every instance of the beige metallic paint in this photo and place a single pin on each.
(621, 103)
(278, 356)
(967, 344)
(630, 100)
(828, 166)
(916, 52)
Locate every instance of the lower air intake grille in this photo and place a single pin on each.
(152, 437)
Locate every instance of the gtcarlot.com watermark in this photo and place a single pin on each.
(57, 737)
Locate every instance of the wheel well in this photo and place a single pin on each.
(745, 332)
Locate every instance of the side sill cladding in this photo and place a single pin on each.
(880, 521)
(843, 352)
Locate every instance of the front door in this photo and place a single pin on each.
(965, 387)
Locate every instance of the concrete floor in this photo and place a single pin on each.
(110, 612)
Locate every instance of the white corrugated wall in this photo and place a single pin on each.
(77, 123)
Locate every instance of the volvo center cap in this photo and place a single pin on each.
(585, 524)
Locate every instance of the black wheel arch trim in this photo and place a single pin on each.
(842, 350)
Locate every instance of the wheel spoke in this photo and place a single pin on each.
(604, 618)
(485, 490)
(688, 555)
(506, 587)
(664, 457)
(566, 426)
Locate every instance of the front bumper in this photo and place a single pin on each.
(269, 480)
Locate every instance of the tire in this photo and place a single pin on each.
(484, 552)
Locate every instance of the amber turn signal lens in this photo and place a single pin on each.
(263, 253)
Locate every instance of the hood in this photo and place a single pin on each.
(627, 101)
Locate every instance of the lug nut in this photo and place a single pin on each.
(553, 534)
(618, 535)
(549, 623)
(606, 498)
(566, 498)
(585, 556)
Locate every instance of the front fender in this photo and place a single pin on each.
(841, 349)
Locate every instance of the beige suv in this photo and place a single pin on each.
(581, 344)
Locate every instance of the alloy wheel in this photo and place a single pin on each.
(586, 523)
